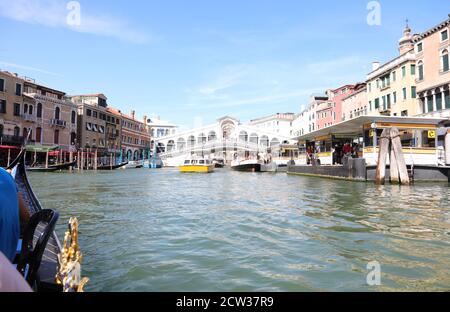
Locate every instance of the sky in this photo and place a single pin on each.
(192, 62)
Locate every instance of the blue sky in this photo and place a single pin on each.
(195, 61)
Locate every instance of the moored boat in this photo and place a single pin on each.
(201, 165)
(112, 167)
(250, 165)
(218, 163)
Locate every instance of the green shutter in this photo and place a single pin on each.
(445, 62)
(413, 92)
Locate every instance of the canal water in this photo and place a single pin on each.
(160, 230)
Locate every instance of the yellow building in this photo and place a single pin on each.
(391, 87)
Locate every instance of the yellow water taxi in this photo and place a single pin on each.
(197, 165)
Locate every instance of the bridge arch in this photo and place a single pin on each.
(181, 144)
(202, 138)
(212, 136)
(170, 146)
(274, 142)
(191, 141)
(264, 142)
(254, 138)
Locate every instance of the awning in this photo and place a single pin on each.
(40, 148)
(8, 147)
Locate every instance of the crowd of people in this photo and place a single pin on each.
(13, 215)
(339, 151)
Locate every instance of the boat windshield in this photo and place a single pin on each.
(187, 162)
(202, 162)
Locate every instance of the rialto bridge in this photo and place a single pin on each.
(220, 140)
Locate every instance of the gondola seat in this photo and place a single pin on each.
(34, 241)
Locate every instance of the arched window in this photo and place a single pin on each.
(73, 138)
(274, 142)
(264, 141)
(201, 138)
(56, 137)
(212, 136)
(57, 113)
(30, 110)
(39, 111)
(420, 69)
(38, 135)
(16, 132)
(25, 133)
(74, 117)
(444, 61)
(25, 108)
(191, 141)
(254, 138)
(243, 136)
(170, 146)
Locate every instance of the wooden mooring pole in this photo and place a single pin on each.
(391, 143)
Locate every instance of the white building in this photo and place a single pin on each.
(278, 123)
(306, 121)
(160, 128)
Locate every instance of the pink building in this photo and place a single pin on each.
(330, 112)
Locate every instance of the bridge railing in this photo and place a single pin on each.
(215, 145)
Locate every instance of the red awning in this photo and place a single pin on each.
(9, 147)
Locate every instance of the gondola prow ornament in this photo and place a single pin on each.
(69, 261)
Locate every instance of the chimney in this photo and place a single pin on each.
(375, 65)
(133, 114)
(145, 120)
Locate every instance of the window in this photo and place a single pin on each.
(39, 110)
(73, 119)
(25, 108)
(430, 103)
(56, 137)
(445, 65)
(38, 134)
(30, 110)
(88, 113)
(2, 85)
(447, 99)
(404, 71)
(413, 69)
(394, 76)
(94, 114)
(370, 106)
(16, 109)
(419, 47)
(2, 107)
(394, 95)
(370, 87)
(16, 132)
(414, 92)
(405, 94)
(18, 89)
(420, 67)
(1, 131)
(444, 35)
(377, 103)
(405, 113)
(57, 113)
(438, 101)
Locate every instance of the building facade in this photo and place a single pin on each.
(278, 123)
(433, 80)
(355, 104)
(29, 111)
(136, 137)
(160, 128)
(391, 87)
(113, 130)
(91, 121)
(11, 102)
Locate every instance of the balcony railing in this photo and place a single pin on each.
(11, 140)
(28, 117)
(58, 123)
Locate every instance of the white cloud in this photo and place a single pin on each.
(53, 13)
(28, 68)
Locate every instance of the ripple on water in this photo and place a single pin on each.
(144, 230)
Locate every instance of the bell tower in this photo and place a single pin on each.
(406, 42)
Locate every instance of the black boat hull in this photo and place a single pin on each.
(106, 168)
(247, 168)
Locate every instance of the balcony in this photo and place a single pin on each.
(112, 136)
(11, 140)
(29, 118)
(58, 123)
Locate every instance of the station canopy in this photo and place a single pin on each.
(355, 127)
(41, 149)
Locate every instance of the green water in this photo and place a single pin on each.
(160, 230)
